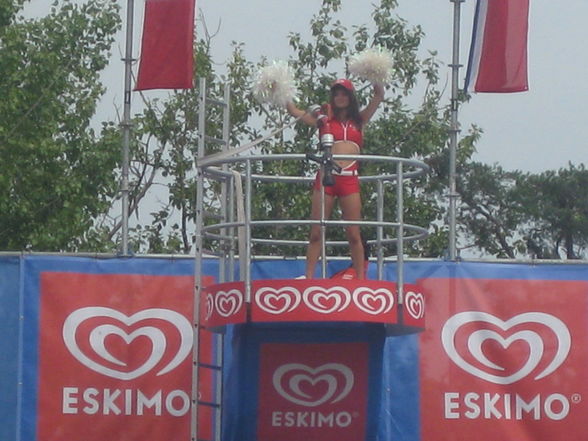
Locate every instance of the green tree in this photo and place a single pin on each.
(57, 175)
(165, 149)
(556, 213)
(511, 214)
(400, 129)
(491, 211)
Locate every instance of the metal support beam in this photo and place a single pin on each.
(454, 130)
(126, 130)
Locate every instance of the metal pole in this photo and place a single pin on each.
(126, 128)
(400, 236)
(230, 276)
(248, 252)
(454, 130)
(229, 195)
(323, 229)
(380, 230)
(198, 250)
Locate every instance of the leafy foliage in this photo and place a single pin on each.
(58, 184)
(57, 175)
(515, 214)
(166, 147)
(398, 130)
(491, 210)
(556, 213)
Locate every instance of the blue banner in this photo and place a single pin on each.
(503, 351)
(10, 299)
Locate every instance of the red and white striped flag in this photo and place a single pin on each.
(167, 58)
(498, 53)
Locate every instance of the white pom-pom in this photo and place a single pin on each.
(274, 84)
(373, 65)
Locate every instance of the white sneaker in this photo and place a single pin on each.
(301, 277)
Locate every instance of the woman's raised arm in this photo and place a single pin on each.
(304, 115)
(370, 109)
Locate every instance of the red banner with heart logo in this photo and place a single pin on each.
(115, 357)
(504, 359)
(313, 391)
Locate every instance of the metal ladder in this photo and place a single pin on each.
(208, 410)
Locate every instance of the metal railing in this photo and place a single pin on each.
(397, 171)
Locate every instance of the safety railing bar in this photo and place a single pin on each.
(217, 253)
(211, 215)
(289, 156)
(214, 140)
(390, 178)
(329, 243)
(407, 238)
(209, 404)
(290, 222)
(215, 102)
(210, 366)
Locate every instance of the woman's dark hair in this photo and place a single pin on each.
(352, 110)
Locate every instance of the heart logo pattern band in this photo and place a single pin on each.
(277, 301)
(373, 301)
(324, 300)
(327, 300)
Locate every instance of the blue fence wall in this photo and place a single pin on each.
(14, 270)
(9, 347)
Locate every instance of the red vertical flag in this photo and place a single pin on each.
(167, 60)
(498, 54)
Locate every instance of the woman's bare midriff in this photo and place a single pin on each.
(345, 148)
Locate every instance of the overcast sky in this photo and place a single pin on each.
(544, 128)
(541, 129)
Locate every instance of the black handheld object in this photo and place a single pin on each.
(326, 142)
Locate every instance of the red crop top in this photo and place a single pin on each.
(345, 131)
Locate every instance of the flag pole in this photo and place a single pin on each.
(454, 129)
(126, 129)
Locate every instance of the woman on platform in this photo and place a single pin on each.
(345, 121)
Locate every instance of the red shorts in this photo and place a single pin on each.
(344, 185)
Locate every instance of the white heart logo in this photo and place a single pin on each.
(415, 304)
(228, 303)
(277, 301)
(327, 300)
(379, 301)
(531, 338)
(99, 334)
(209, 307)
(297, 375)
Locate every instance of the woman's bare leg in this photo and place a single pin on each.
(313, 251)
(351, 210)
